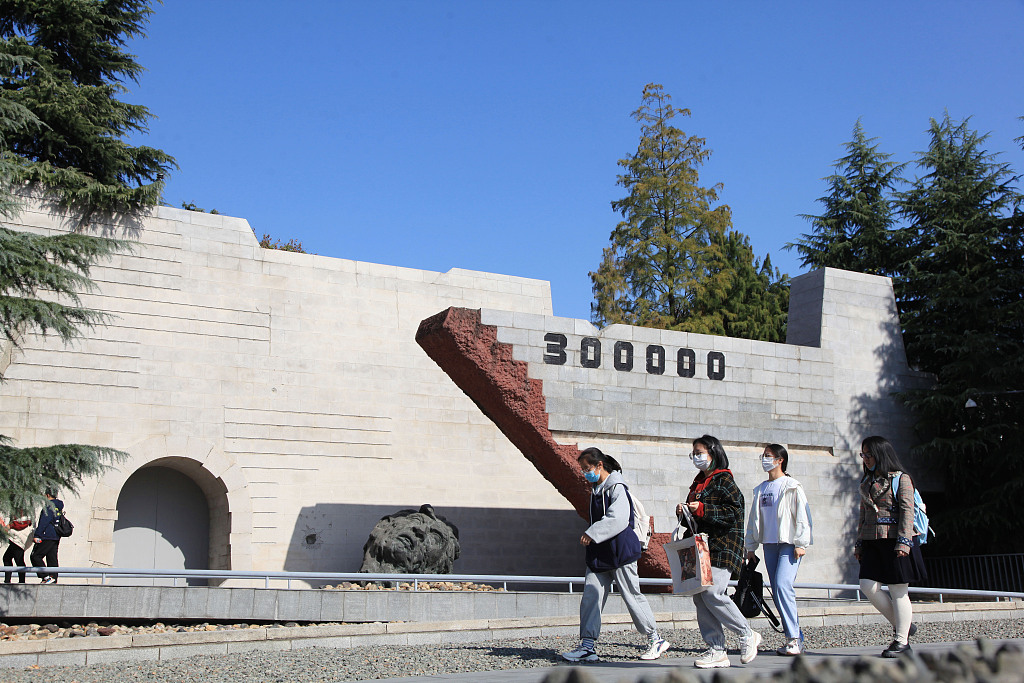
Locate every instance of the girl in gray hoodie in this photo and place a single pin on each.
(613, 549)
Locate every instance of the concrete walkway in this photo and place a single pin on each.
(631, 672)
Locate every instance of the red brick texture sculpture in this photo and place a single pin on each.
(471, 355)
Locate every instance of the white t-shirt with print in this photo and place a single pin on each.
(769, 502)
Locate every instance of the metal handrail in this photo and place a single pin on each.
(415, 579)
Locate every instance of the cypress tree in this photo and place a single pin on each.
(674, 261)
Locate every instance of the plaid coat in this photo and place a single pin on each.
(882, 515)
(720, 516)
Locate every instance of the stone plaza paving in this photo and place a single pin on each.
(344, 620)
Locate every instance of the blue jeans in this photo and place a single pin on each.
(782, 564)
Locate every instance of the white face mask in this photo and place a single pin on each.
(768, 464)
(701, 461)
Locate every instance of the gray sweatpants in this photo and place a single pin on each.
(715, 609)
(595, 594)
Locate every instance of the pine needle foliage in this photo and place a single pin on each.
(41, 278)
(63, 130)
(26, 473)
(15, 119)
(856, 230)
(62, 68)
(674, 261)
(738, 295)
(961, 299)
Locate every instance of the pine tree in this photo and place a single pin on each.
(856, 230)
(62, 130)
(758, 302)
(961, 298)
(41, 277)
(15, 119)
(71, 67)
(738, 296)
(58, 265)
(674, 262)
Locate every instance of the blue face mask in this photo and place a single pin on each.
(872, 468)
(592, 476)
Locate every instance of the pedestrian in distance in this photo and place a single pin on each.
(780, 522)
(716, 504)
(19, 533)
(47, 540)
(886, 548)
(612, 551)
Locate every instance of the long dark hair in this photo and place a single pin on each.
(592, 456)
(881, 450)
(779, 451)
(719, 460)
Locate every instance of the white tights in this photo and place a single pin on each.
(895, 606)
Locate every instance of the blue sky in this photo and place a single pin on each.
(484, 135)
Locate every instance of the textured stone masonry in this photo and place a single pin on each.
(290, 390)
(555, 386)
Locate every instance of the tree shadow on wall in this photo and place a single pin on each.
(329, 537)
(79, 219)
(883, 413)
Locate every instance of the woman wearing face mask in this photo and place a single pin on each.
(886, 548)
(613, 549)
(780, 522)
(717, 507)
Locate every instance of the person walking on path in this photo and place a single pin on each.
(780, 522)
(47, 539)
(19, 532)
(886, 548)
(716, 504)
(612, 550)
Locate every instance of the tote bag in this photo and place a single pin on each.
(690, 562)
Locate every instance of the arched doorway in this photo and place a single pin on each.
(163, 522)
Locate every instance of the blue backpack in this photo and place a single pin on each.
(921, 525)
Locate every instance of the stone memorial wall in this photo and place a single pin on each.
(557, 386)
(289, 394)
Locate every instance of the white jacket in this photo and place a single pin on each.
(21, 538)
(794, 516)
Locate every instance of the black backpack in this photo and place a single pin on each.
(749, 595)
(63, 525)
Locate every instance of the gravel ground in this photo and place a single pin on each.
(319, 664)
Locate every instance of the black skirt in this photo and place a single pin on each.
(879, 562)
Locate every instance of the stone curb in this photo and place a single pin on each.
(165, 646)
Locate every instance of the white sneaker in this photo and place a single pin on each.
(712, 659)
(790, 649)
(580, 654)
(748, 647)
(656, 649)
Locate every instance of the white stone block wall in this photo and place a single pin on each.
(818, 395)
(290, 388)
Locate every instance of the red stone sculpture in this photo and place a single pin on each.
(471, 355)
